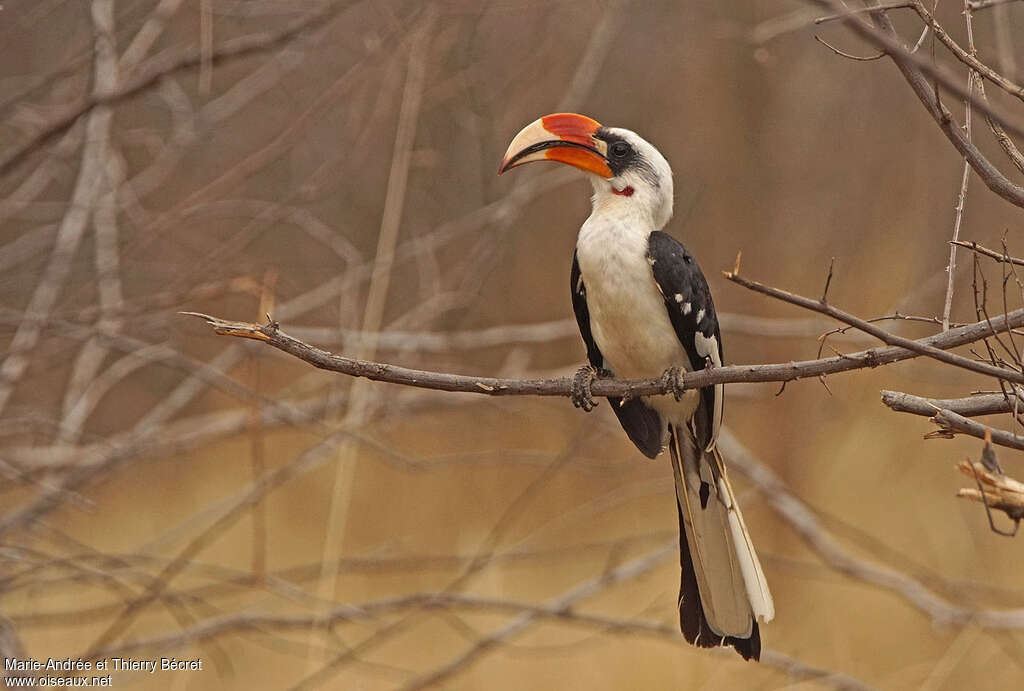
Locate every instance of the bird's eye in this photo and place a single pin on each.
(619, 149)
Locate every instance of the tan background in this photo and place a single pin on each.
(260, 183)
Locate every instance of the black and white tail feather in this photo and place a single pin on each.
(723, 591)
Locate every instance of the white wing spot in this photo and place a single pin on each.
(700, 315)
(687, 307)
(679, 297)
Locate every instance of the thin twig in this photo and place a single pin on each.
(965, 177)
(163, 68)
(992, 254)
(951, 423)
(917, 70)
(877, 332)
(849, 56)
(968, 57)
(863, 10)
(976, 5)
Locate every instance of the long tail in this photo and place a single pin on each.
(723, 591)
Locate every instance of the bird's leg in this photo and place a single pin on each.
(580, 387)
(673, 381)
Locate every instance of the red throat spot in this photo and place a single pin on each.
(626, 191)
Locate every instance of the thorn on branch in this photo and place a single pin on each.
(828, 281)
(272, 326)
(821, 378)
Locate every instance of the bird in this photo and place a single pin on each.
(644, 309)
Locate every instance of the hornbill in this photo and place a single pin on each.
(644, 309)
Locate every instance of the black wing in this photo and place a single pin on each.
(641, 422)
(692, 313)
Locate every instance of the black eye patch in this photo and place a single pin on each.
(621, 154)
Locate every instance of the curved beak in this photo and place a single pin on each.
(563, 137)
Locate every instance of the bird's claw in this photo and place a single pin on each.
(579, 391)
(673, 380)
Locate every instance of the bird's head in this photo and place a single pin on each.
(629, 175)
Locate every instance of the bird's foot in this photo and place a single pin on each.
(579, 390)
(673, 380)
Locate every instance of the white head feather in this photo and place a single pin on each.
(648, 173)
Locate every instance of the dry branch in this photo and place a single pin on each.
(272, 335)
(163, 68)
(951, 423)
(876, 331)
(918, 70)
(976, 5)
(998, 256)
(1000, 492)
(970, 406)
(964, 56)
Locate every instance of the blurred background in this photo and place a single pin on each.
(169, 492)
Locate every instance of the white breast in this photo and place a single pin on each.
(628, 318)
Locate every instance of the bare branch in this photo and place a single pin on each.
(849, 56)
(976, 5)
(971, 406)
(998, 256)
(952, 423)
(916, 70)
(272, 335)
(163, 68)
(966, 56)
(965, 176)
(878, 332)
(863, 10)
